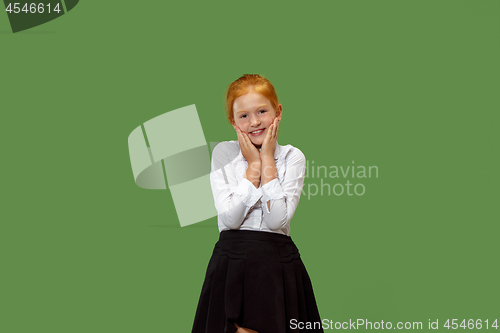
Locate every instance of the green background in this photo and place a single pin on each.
(408, 86)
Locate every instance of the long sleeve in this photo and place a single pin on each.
(284, 198)
(233, 198)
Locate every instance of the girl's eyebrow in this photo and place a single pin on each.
(257, 108)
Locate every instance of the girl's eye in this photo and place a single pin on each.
(245, 116)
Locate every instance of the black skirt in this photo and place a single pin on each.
(257, 280)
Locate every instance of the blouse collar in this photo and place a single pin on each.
(276, 151)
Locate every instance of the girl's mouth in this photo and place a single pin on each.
(257, 133)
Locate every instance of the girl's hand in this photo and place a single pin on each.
(248, 150)
(269, 144)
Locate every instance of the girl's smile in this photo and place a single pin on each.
(257, 133)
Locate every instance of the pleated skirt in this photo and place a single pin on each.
(257, 280)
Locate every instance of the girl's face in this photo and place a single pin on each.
(254, 112)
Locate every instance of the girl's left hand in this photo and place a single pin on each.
(269, 144)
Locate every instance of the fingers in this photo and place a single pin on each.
(246, 139)
(269, 133)
(276, 128)
(237, 131)
(272, 133)
(241, 138)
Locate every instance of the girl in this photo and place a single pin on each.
(255, 280)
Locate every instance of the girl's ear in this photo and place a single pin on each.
(280, 112)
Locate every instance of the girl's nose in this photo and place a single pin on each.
(255, 122)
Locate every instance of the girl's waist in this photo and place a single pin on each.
(250, 235)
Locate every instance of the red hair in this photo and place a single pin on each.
(246, 83)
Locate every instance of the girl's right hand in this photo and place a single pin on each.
(248, 150)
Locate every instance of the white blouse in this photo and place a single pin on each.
(242, 206)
